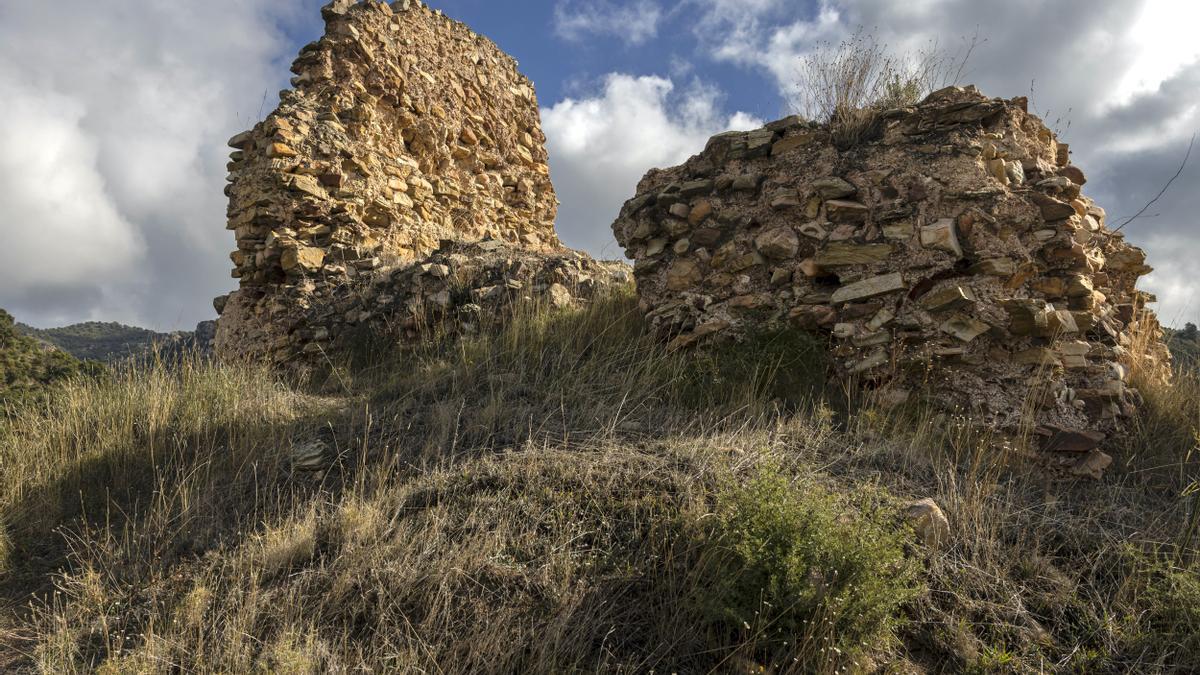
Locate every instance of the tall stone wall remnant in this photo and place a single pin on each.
(953, 255)
(404, 130)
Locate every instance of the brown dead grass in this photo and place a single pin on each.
(849, 85)
(548, 499)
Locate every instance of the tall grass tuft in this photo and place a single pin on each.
(148, 441)
(850, 84)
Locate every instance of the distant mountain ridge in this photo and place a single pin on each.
(110, 342)
(95, 340)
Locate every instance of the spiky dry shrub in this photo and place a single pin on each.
(1164, 439)
(850, 84)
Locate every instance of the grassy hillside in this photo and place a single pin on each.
(114, 343)
(567, 497)
(97, 341)
(27, 367)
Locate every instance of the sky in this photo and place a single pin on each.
(114, 116)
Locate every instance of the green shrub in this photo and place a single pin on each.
(28, 368)
(799, 575)
(1185, 347)
(96, 341)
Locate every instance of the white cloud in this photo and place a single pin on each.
(114, 158)
(601, 146)
(61, 225)
(1174, 261)
(1164, 32)
(763, 33)
(633, 24)
(115, 115)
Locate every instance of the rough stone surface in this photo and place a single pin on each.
(929, 522)
(404, 129)
(460, 289)
(954, 258)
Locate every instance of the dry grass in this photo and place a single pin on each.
(850, 84)
(563, 496)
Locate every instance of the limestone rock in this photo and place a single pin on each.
(947, 298)
(1092, 465)
(793, 142)
(683, 274)
(868, 288)
(1070, 440)
(929, 522)
(844, 211)
(559, 296)
(964, 328)
(832, 187)
(302, 259)
(311, 455)
(780, 243)
(1053, 209)
(998, 267)
(852, 253)
(942, 235)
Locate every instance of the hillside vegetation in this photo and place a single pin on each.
(28, 367)
(566, 496)
(1185, 346)
(96, 341)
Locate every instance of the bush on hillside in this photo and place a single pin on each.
(803, 578)
(1185, 347)
(108, 342)
(27, 368)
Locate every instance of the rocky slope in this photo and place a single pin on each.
(564, 495)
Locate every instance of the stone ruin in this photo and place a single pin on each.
(406, 135)
(951, 256)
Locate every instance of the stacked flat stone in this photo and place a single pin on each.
(953, 255)
(404, 129)
(460, 289)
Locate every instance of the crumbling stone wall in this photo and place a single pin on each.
(404, 129)
(460, 289)
(953, 255)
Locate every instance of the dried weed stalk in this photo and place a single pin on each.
(850, 84)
